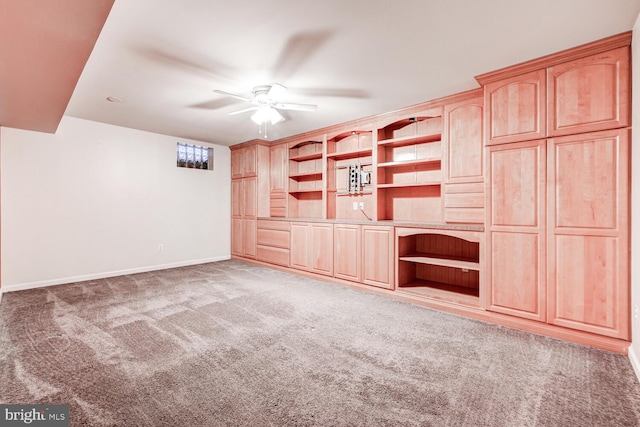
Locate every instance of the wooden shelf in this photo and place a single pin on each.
(311, 156)
(340, 194)
(350, 154)
(420, 184)
(442, 260)
(409, 162)
(308, 176)
(305, 191)
(442, 291)
(409, 140)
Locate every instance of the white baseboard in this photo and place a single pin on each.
(633, 357)
(0, 295)
(83, 278)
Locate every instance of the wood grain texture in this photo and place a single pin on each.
(347, 252)
(463, 138)
(589, 94)
(322, 248)
(588, 232)
(378, 256)
(515, 109)
(516, 241)
(300, 244)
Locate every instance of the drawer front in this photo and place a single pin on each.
(273, 225)
(273, 255)
(277, 212)
(273, 238)
(464, 215)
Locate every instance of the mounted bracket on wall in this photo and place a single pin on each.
(357, 178)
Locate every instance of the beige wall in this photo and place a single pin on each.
(97, 200)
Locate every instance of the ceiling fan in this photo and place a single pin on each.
(266, 101)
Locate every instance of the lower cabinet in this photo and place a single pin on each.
(312, 247)
(273, 242)
(347, 252)
(243, 237)
(364, 254)
(378, 256)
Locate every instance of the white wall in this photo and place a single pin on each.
(634, 351)
(97, 200)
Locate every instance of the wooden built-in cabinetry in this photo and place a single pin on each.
(508, 203)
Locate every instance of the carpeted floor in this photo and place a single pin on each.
(232, 344)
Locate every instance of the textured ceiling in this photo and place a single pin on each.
(353, 58)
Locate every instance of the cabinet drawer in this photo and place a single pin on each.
(464, 215)
(273, 255)
(273, 238)
(265, 224)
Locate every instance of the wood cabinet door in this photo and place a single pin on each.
(322, 248)
(378, 256)
(237, 198)
(249, 198)
(278, 168)
(249, 238)
(515, 108)
(300, 244)
(588, 232)
(589, 94)
(237, 239)
(250, 160)
(463, 142)
(237, 163)
(347, 252)
(516, 249)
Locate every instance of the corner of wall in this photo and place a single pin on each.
(634, 349)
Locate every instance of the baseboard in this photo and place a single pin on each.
(633, 357)
(95, 276)
(0, 295)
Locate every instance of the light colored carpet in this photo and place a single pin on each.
(232, 344)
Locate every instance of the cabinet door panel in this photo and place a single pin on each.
(517, 274)
(299, 254)
(517, 177)
(463, 127)
(516, 108)
(586, 180)
(237, 240)
(250, 154)
(237, 163)
(347, 252)
(589, 94)
(322, 249)
(237, 198)
(249, 238)
(588, 232)
(587, 290)
(278, 168)
(378, 256)
(249, 195)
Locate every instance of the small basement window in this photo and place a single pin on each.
(194, 156)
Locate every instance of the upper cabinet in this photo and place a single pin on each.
(516, 108)
(463, 162)
(589, 94)
(244, 161)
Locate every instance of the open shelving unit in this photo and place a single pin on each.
(439, 264)
(306, 178)
(350, 174)
(409, 168)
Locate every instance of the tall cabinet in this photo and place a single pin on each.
(249, 195)
(558, 217)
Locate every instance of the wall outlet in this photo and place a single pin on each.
(355, 206)
(160, 247)
(361, 206)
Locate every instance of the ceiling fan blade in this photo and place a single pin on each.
(298, 49)
(242, 111)
(297, 107)
(276, 92)
(233, 95)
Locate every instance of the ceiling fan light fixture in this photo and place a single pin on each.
(266, 114)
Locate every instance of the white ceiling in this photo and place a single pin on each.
(353, 58)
